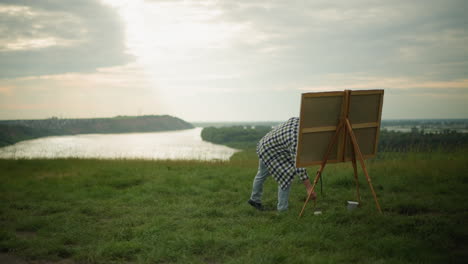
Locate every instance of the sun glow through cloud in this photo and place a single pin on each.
(163, 35)
(178, 45)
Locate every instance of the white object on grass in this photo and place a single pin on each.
(352, 205)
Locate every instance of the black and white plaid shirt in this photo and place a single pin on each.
(277, 150)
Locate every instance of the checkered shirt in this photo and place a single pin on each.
(277, 150)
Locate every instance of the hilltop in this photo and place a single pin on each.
(142, 211)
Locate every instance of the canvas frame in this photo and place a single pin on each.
(320, 114)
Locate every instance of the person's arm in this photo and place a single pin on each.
(308, 186)
(302, 173)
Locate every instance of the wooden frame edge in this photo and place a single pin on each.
(366, 92)
(299, 138)
(376, 147)
(323, 94)
(308, 164)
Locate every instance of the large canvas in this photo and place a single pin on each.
(320, 116)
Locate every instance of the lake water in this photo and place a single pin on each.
(183, 144)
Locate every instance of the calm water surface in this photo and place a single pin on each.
(185, 144)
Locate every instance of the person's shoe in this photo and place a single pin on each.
(256, 205)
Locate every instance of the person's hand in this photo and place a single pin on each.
(313, 196)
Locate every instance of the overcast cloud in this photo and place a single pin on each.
(55, 36)
(229, 60)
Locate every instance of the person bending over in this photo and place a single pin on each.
(276, 156)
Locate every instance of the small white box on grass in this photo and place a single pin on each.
(352, 205)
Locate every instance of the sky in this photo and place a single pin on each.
(229, 60)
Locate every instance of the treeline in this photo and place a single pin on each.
(119, 124)
(247, 137)
(240, 137)
(10, 134)
(12, 131)
(237, 123)
(426, 122)
(417, 140)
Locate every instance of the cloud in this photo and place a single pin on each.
(53, 37)
(25, 28)
(321, 37)
(365, 82)
(105, 79)
(225, 55)
(111, 91)
(6, 90)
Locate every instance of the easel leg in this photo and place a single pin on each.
(324, 162)
(356, 175)
(370, 184)
(361, 160)
(353, 159)
(317, 177)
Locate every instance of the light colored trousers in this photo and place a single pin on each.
(257, 188)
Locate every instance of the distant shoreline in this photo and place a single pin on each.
(12, 131)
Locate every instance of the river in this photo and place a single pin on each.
(173, 145)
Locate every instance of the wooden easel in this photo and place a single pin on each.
(355, 151)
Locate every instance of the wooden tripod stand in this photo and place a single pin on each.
(355, 150)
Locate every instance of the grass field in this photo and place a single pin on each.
(133, 211)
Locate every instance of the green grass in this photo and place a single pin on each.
(133, 211)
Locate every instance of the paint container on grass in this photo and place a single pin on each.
(352, 205)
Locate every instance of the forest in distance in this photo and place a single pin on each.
(417, 134)
(246, 137)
